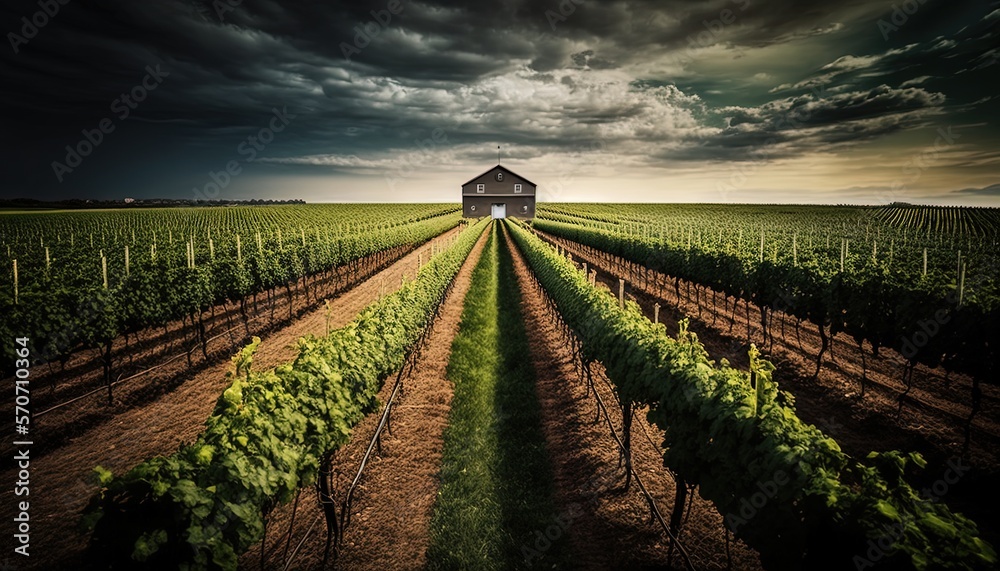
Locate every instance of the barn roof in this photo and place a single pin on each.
(503, 168)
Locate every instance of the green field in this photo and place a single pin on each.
(887, 278)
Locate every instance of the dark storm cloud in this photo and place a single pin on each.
(936, 60)
(824, 108)
(855, 98)
(819, 121)
(658, 24)
(372, 79)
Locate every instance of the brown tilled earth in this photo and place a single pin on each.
(62, 480)
(933, 415)
(68, 401)
(614, 529)
(609, 527)
(391, 509)
(223, 324)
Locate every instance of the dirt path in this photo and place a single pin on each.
(178, 340)
(934, 411)
(929, 422)
(389, 527)
(62, 482)
(162, 369)
(612, 529)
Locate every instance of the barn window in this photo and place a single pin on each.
(517, 188)
(480, 188)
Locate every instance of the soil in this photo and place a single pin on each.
(391, 508)
(62, 481)
(153, 362)
(932, 417)
(613, 529)
(224, 328)
(605, 525)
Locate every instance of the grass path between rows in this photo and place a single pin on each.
(494, 505)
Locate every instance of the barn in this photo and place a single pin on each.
(499, 192)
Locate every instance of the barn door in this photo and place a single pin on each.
(499, 211)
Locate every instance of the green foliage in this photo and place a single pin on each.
(204, 505)
(732, 439)
(64, 304)
(495, 482)
(882, 298)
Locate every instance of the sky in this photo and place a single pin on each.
(744, 101)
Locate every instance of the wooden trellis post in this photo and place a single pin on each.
(961, 285)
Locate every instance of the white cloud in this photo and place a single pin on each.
(849, 62)
(915, 81)
(813, 82)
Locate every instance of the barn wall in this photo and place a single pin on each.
(494, 187)
(483, 204)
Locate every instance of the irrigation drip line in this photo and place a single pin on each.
(623, 451)
(375, 442)
(617, 267)
(169, 360)
(384, 421)
(135, 375)
(299, 545)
